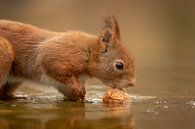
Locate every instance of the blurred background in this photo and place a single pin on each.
(161, 34)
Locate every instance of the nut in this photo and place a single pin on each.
(116, 96)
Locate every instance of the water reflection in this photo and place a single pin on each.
(144, 112)
(65, 115)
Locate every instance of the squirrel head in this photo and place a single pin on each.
(114, 65)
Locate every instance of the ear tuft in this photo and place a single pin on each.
(109, 22)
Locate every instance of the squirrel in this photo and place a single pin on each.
(61, 59)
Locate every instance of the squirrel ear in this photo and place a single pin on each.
(106, 40)
(112, 25)
(107, 36)
(110, 32)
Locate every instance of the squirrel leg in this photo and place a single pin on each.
(62, 73)
(72, 88)
(6, 59)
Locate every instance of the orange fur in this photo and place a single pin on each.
(30, 53)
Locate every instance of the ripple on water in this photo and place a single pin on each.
(191, 103)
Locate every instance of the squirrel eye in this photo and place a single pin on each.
(119, 65)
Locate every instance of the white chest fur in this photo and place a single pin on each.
(46, 80)
(64, 89)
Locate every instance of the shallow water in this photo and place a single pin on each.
(43, 112)
(161, 35)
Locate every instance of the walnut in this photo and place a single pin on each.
(116, 96)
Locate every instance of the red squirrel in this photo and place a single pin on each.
(61, 59)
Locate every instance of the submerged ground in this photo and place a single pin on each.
(49, 111)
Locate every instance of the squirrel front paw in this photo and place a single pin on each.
(73, 89)
(77, 93)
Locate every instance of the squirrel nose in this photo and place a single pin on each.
(132, 83)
